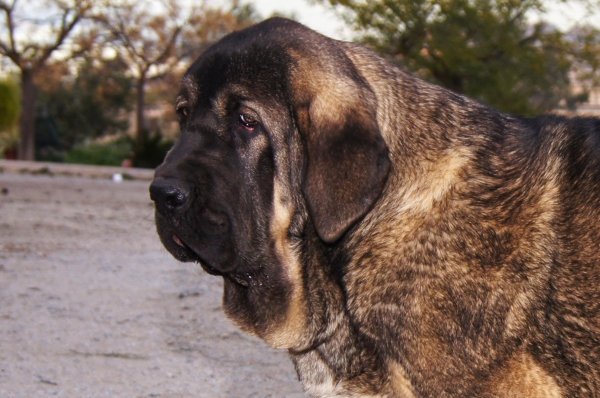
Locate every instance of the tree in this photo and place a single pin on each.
(29, 40)
(153, 37)
(483, 48)
(93, 103)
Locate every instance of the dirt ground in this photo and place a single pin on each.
(91, 305)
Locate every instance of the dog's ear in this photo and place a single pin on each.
(348, 160)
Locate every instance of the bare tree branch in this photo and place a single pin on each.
(35, 55)
(67, 25)
(9, 50)
(169, 46)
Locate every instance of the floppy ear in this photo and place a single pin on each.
(348, 160)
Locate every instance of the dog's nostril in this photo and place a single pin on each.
(176, 199)
(169, 194)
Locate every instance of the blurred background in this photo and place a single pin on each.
(93, 82)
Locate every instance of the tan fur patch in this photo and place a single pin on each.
(436, 180)
(289, 332)
(523, 377)
(399, 381)
(332, 96)
(331, 104)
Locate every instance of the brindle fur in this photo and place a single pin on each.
(400, 240)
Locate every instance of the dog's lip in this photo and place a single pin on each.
(209, 269)
(177, 240)
(242, 280)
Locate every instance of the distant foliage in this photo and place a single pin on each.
(152, 152)
(486, 49)
(10, 105)
(107, 153)
(95, 103)
(31, 31)
(585, 46)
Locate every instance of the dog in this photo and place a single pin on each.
(398, 239)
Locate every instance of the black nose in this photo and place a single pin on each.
(169, 194)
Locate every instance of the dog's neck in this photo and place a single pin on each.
(338, 360)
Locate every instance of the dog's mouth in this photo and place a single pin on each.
(184, 250)
(194, 256)
(244, 280)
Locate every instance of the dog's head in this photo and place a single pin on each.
(279, 139)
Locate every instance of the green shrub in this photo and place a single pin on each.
(10, 104)
(9, 140)
(110, 153)
(151, 151)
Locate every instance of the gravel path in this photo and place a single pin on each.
(91, 305)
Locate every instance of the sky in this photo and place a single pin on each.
(568, 13)
(315, 16)
(325, 21)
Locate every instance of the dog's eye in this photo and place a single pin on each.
(248, 122)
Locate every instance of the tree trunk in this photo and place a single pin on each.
(27, 123)
(141, 130)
